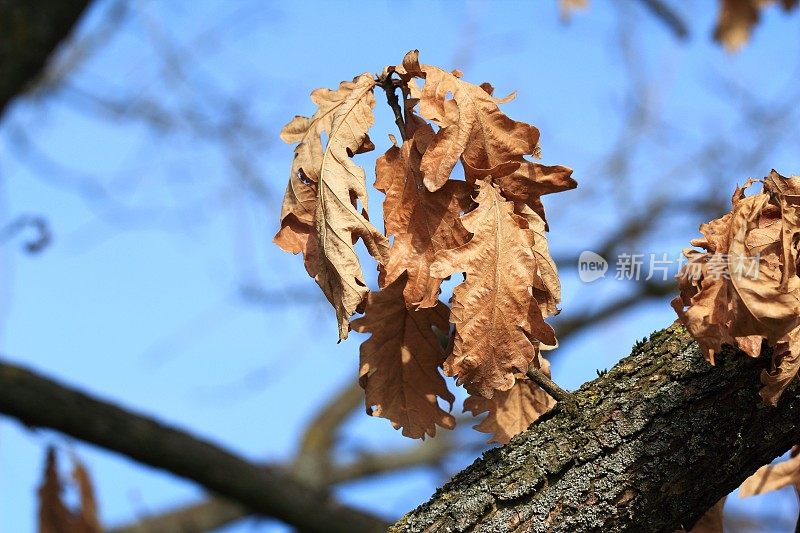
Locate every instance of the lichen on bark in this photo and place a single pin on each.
(658, 440)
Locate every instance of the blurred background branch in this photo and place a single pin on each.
(155, 128)
(29, 33)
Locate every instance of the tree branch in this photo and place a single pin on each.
(39, 402)
(662, 437)
(214, 513)
(644, 455)
(564, 399)
(29, 33)
(666, 15)
(313, 461)
(387, 84)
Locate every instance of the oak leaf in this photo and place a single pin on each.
(54, 515)
(743, 288)
(498, 322)
(422, 222)
(546, 286)
(400, 362)
(297, 211)
(511, 412)
(337, 223)
(784, 368)
(737, 19)
(471, 125)
(474, 130)
(531, 181)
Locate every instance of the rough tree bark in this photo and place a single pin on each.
(659, 439)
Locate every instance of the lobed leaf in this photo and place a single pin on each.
(499, 324)
(422, 222)
(400, 362)
(474, 130)
(721, 303)
(513, 411)
(326, 228)
(337, 223)
(299, 202)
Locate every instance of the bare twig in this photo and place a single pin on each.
(313, 460)
(667, 16)
(40, 402)
(38, 224)
(565, 399)
(388, 85)
(215, 513)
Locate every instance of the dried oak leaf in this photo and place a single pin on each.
(744, 287)
(337, 222)
(474, 130)
(471, 125)
(737, 19)
(422, 222)
(400, 362)
(297, 211)
(546, 286)
(54, 515)
(773, 477)
(784, 368)
(499, 324)
(513, 411)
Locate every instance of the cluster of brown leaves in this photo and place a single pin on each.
(489, 227)
(735, 21)
(54, 515)
(743, 288)
(738, 17)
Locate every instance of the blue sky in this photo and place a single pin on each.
(138, 299)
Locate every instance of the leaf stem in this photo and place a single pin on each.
(564, 399)
(387, 84)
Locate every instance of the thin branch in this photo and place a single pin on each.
(215, 513)
(40, 402)
(42, 237)
(313, 460)
(668, 17)
(388, 85)
(565, 399)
